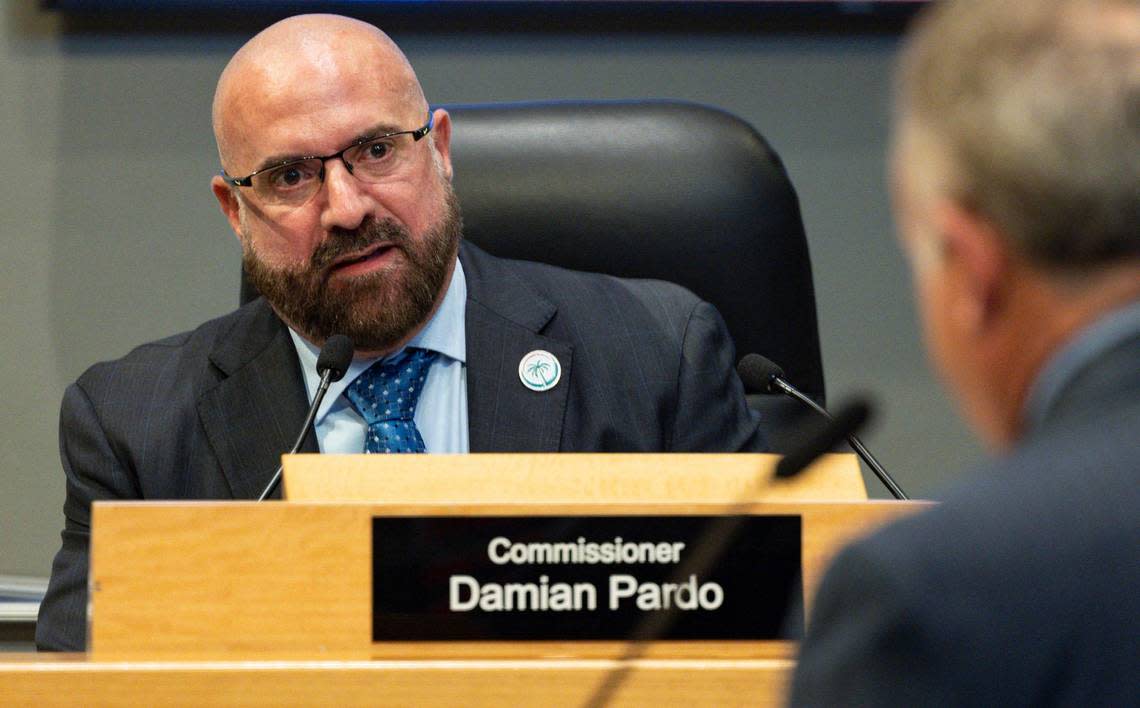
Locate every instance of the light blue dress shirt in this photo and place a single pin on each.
(441, 414)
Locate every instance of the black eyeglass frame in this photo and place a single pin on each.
(416, 134)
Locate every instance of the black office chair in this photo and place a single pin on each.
(650, 189)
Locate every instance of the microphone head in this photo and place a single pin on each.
(335, 357)
(759, 373)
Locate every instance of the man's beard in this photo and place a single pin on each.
(376, 310)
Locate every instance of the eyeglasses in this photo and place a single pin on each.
(294, 181)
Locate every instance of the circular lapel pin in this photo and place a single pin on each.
(540, 370)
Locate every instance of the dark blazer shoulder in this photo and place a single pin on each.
(159, 413)
(1027, 569)
(247, 330)
(575, 292)
(650, 366)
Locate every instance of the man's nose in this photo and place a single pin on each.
(346, 202)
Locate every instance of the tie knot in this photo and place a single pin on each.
(390, 388)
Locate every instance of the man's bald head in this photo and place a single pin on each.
(365, 252)
(306, 57)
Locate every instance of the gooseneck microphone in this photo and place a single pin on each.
(830, 433)
(334, 359)
(761, 374)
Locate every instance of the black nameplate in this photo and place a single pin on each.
(566, 578)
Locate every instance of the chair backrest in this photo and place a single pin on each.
(648, 189)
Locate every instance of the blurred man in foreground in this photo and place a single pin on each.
(1016, 176)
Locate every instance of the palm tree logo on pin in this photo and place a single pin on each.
(540, 370)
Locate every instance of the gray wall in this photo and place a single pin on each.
(111, 236)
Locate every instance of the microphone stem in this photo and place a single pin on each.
(326, 379)
(795, 393)
(881, 473)
(853, 441)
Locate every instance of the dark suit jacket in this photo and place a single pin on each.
(1022, 589)
(206, 414)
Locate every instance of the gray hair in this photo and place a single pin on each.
(1036, 105)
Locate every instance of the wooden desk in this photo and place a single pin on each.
(251, 604)
(73, 679)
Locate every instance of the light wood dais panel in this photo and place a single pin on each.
(568, 477)
(66, 681)
(293, 580)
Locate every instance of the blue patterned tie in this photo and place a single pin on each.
(386, 394)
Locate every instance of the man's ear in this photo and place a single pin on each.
(441, 137)
(979, 258)
(228, 201)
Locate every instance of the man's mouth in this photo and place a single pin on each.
(362, 261)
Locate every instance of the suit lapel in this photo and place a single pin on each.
(504, 318)
(254, 412)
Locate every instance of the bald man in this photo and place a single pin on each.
(1016, 176)
(336, 179)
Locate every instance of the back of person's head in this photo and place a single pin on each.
(1029, 115)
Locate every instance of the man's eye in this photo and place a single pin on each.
(379, 150)
(291, 176)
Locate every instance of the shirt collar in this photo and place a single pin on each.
(1063, 367)
(445, 333)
